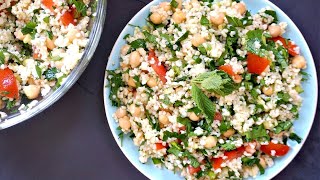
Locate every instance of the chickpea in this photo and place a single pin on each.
(267, 90)
(217, 20)
(131, 82)
(124, 123)
(50, 43)
(152, 82)
(193, 116)
(19, 35)
(134, 110)
(121, 112)
(211, 142)
(165, 6)
(125, 49)
(299, 62)
(179, 17)
(237, 78)
(241, 8)
(134, 59)
(267, 125)
(58, 64)
(229, 133)
(31, 81)
(263, 163)
(31, 91)
(27, 39)
(156, 18)
(163, 119)
(197, 40)
(274, 30)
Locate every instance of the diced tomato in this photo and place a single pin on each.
(235, 153)
(228, 69)
(193, 170)
(160, 146)
(67, 18)
(8, 84)
(48, 4)
(280, 149)
(158, 68)
(288, 45)
(218, 116)
(256, 64)
(36, 56)
(216, 163)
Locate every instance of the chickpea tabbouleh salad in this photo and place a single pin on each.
(41, 41)
(208, 89)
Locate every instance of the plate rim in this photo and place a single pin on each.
(274, 7)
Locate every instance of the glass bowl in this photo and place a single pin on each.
(96, 26)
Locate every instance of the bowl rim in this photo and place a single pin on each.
(55, 95)
(146, 8)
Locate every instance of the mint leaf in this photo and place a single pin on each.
(203, 103)
(253, 37)
(236, 22)
(204, 21)
(228, 146)
(273, 14)
(258, 133)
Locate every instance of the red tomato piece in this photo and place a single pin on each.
(280, 149)
(218, 116)
(193, 170)
(8, 84)
(160, 146)
(256, 64)
(216, 163)
(67, 18)
(235, 153)
(288, 45)
(158, 68)
(48, 4)
(227, 69)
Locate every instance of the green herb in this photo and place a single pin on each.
(295, 137)
(29, 28)
(236, 22)
(166, 100)
(258, 133)
(137, 81)
(39, 71)
(224, 126)
(121, 135)
(115, 82)
(216, 81)
(156, 160)
(46, 19)
(273, 14)
(247, 19)
(10, 104)
(182, 38)
(139, 43)
(81, 8)
(202, 49)
(154, 124)
(251, 162)
(174, 4)
(203, 103)
(2, 57)
(186, 122)
(50, 74)
(283, 126)
(228, 146)
(253, 37)
(196, 110)
(178, 103)
(193, 161)
(126, 36)
(168, 134)
(197, 59)
(56, 58)
(150, 38)
(50, 35)
(204, 21)
(60, 80)
(283, 98)
(175, 149)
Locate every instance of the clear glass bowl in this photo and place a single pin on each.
(96, 27)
